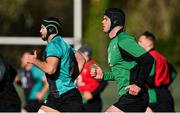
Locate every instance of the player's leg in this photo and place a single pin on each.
(112, 108)
(46, 109)
(149, 110)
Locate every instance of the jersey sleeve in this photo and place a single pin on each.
(139, 55)
(131, 46)
(38, 72)
(108, 75)
(73, 49)
(53, 49)
(102, 85)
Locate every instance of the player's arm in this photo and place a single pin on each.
(44, 90)
(80, 60)
(108, 75)
(102, 85)
(145, 61)
(49, 66)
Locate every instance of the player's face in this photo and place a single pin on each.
(106, 24)
(43, 32)
(142, 41)
(85, 56)
(24, 60)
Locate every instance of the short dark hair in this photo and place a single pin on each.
(86, 49)
(149, 36)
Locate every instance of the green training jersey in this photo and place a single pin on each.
(38, 76)
(60, 82)
(129, 62)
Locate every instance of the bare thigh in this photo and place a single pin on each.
(46, 109)
(149, 110)
(112, 108)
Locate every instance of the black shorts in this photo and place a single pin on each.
(130, 103)
(32, 106)
(165, 102)
(93, 105)
(10, 106)
(70, 101)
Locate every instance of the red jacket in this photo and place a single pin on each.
(162, 73)
(84, 81)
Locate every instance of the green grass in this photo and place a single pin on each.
(176, 93)
(110, 95)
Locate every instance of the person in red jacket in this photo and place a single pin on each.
(89, 87)
(160, 97)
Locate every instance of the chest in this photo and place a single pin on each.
(114, 54)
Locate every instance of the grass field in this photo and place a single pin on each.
(176, 92)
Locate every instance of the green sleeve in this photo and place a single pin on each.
(145, 61)
(132, 47)
(108, 75)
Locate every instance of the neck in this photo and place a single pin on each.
(114, 31)
(28, 66)
(51, 37)
(148, 48)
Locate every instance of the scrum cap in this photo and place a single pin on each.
(117, 17)
(53, 26)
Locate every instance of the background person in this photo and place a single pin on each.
(35, 85)
(161, 99)
(89, 87)
(10, 101)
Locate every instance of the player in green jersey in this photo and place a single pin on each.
(129, 63)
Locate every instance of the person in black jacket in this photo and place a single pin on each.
(10, 101)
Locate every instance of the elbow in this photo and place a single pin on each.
(51, 71)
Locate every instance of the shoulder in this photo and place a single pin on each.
(157, 55)
(54, 44)
(125, 38)
(55, 41)
(37, 70)
(92, 62)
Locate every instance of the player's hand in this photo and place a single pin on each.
(87, 95)
(96, 72)
(133, 89)
(39, 96)
(31, 58)
(35, 53)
